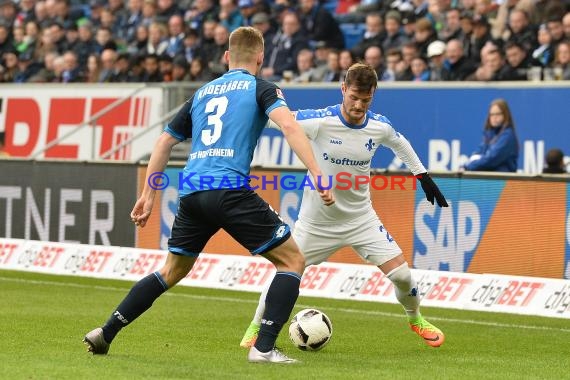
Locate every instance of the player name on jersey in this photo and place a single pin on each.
(219, 89)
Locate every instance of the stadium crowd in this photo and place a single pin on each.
(102, 41)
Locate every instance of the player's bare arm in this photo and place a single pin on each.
(299, 142)
(157, 163)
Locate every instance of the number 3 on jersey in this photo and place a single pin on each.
(219, 106)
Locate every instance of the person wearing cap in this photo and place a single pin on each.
(319, 24)
(458, 67)
(436, 57)
(409, 24)
(247, 9)
(27, 67)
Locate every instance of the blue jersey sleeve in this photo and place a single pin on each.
(181, 126)
(269, 96)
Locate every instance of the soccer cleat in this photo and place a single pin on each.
(273, 356)
(96, 342)
(431, 334)
(250, 335)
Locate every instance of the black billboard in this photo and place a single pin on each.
(75, 202)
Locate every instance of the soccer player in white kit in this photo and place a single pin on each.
(345, 138)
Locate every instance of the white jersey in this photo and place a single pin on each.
(345, 151)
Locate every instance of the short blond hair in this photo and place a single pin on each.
(245, 43)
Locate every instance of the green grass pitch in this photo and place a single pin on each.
(193, 333)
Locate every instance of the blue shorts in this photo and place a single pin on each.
(240, 212)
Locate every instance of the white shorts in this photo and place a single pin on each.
(366, 235)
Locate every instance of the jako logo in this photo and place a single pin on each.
(335, 141)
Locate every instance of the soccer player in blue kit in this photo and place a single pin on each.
(224, 119)
(345, 138)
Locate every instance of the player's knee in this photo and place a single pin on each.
(401, 276)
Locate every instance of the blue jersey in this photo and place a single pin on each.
(224, 119)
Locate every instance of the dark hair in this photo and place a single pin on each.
(554, 157)
(362, 76)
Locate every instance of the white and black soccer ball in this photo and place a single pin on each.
(310, 330)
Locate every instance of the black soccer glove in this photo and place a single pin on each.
(432, 191)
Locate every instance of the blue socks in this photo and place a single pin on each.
(281, 298)
(139, 300)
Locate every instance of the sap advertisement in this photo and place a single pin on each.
(444, 124)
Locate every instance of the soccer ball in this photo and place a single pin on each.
(310, 330)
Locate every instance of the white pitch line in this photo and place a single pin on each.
(340, 309)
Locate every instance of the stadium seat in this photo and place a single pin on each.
(330, 5)
(353, 33)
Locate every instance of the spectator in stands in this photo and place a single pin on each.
(104, 40)
(151, 72)
(393, 58)
(394, 36)
(3, 152)
(543, 55)
(374, 34)
(247, 8)
(175, 36)
(409, 25)
(229, 15)
(168, 8)
(345, 60)
(58, 69)
(424, 35)
(122, 72)
(129, 24)
(409, 52)
(149, 12)
(518, 62)
(262, 22)
(319, 24)
(332, 72)
(554, 162)
(466, 22)
(305, 67)
(521, 32)
(284, 47)
(165, 67)
(500, 25)
(119, 13)
(458, 67)
(180, 70)
(499, 150)
(420, 69)
(554, 25)
(562, 60)
(207, 42)
(138, 46)
(85, 45)
(199, 71)
(27, 67)
(157, 44)
(492, 65)
(72, 71)
(94, 67)
(218, 65)
(46, 73)
(8, 11)
(452, 29)
(374, 57)
(481, 35)
(436, 57)
(108, 60)
(191, 45)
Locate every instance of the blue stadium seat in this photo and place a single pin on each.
(330, 5)
(353, 33)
